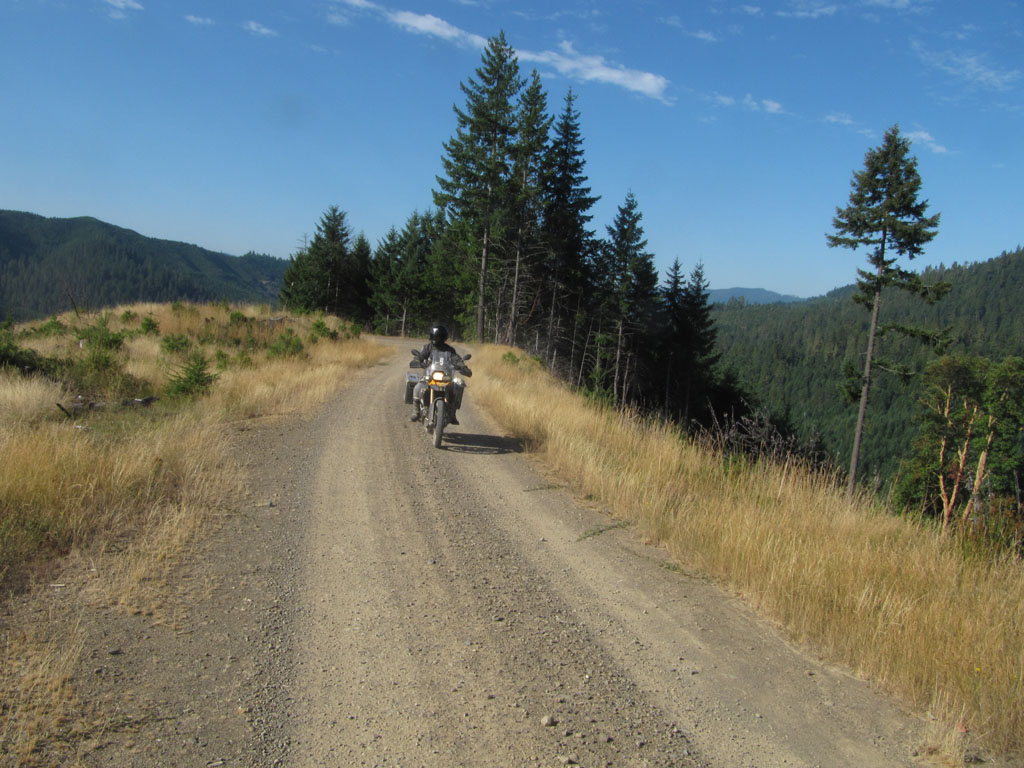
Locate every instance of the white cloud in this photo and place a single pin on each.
(118, 7)
(751, 10)
(201, 21)
(674, 21)
(770, 106)
(254, 27)
(566, 61)
(427, 24)
(839, 118)
(808, 9)
(571, 63)
(923, 137)
(970, 68)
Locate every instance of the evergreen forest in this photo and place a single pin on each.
(50, 265)
(506, 251)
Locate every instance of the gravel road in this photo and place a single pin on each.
(379, 602)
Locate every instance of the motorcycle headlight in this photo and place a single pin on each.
(437, 376)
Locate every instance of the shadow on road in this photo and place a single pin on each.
(461, 442)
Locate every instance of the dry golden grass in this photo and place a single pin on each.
(890, 599)
(38, 698)
(130, 489)
(27, 400)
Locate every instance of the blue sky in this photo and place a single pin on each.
(736, 125)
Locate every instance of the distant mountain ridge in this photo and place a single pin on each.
(50, 265)
(790, 357)
(750, 296)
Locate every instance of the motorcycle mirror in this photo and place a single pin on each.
(466, 357)
(415, 352)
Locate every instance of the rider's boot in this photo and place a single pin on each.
(417, 413)
(453, 419)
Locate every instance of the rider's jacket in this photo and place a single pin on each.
(457, 361)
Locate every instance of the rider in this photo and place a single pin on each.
(438, 342)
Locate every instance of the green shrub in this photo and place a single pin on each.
(237, 318)
(13, 356)
(288, 344)
(150, 326)
(100, 373)
(52, 327)
(173, 343)
(99, 336)
(222, 360)
(320, 330)
(192, 379)
(128, 316)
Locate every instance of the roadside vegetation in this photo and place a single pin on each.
(113, 432)
(932, 618)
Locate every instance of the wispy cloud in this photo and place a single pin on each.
(845, 120)
(118, 7)
(567, 61)
(968, 67)
(901, 5)
(808, 9)
(589, 68)
(751, 10)
(199, 21)
(925, 138)
(427, 24)
(255, 28)
(770, 106)
(839, 118)
(675, 21)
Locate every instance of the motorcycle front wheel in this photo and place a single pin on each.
(439, 405)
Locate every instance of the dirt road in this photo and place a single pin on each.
(379, 602)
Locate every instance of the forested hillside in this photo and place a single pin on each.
(789, 357)
(50, 265)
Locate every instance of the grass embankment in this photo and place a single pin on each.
(125, 487)
(937, 625)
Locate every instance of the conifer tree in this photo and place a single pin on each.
(477, 162)
(688, 350)
(528, 155)
(884, 215)
(570, 244)
(628, 296)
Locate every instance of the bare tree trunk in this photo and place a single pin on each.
(550, 341)
(583, 356)
(513, 309)
(484, 252)
(979, 474)
(618, 362)
(862, 409)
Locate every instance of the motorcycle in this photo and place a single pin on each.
(442, 391)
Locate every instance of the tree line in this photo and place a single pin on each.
(507, 254)
(50, 265)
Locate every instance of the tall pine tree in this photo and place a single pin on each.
(478, 159)
(884, 215)
(570, 244)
